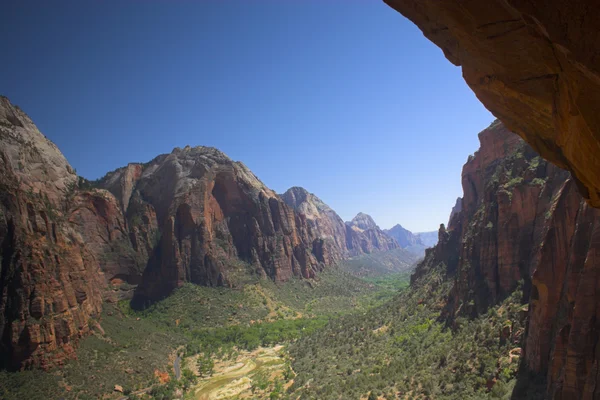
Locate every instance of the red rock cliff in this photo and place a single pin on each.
(201, 217)
(523, 219)
(54, 242)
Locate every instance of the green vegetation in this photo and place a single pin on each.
(209, 341)
(538, 181)
(512, 183)
(347, 337)
(127, 347)
(380, 263)
(402, 348)
(31, 385)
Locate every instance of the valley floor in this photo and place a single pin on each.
(250, 375)
(336, 337)
(137, 350)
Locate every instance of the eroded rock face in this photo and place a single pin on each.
(523, 219)
(201, 217)
(364, 235)
(51, 283)
(358, 237)
(323, 223)
(533, 64)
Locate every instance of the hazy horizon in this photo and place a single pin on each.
(348, 101)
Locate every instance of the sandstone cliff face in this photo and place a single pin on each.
(361, 236)
(322, 221)
(365, 236)
(523, 219)
(533, 64)
(52, 240)
(195, 214)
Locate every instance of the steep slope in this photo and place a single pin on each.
(455, 210)
(322, 221)
(522, 219)
(404, 237)
(368, 234)
(347, 240)
(216, 220)
(56, 249)
(416, 243)
(534, 64)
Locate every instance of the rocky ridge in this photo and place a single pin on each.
(204, 213)
(361, 236)
(404, 237)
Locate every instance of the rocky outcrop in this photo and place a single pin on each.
(52, 240)
(524, 222)
(322, 221)
(456, 209)
(361, 236)
(533, 64)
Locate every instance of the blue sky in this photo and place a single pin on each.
(343, 97)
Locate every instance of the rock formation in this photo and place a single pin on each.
(56, 243)
(533, 64)
(415, 243)
(361, 236)
(522, 219)
(456, 209)
(194, 215)
(367, 236)
(404, 237)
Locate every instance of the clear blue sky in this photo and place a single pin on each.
(343, 97)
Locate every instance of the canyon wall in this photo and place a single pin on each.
(523, 221)
(347, 239)
(56, 247)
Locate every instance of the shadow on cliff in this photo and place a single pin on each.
(148, 292)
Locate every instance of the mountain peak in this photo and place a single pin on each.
(304, 202)
(363, 222)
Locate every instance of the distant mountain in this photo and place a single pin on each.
(428, 239)
(415, 243)
(404, 237)
(362, 222)
(370, 233)
(360, 236)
